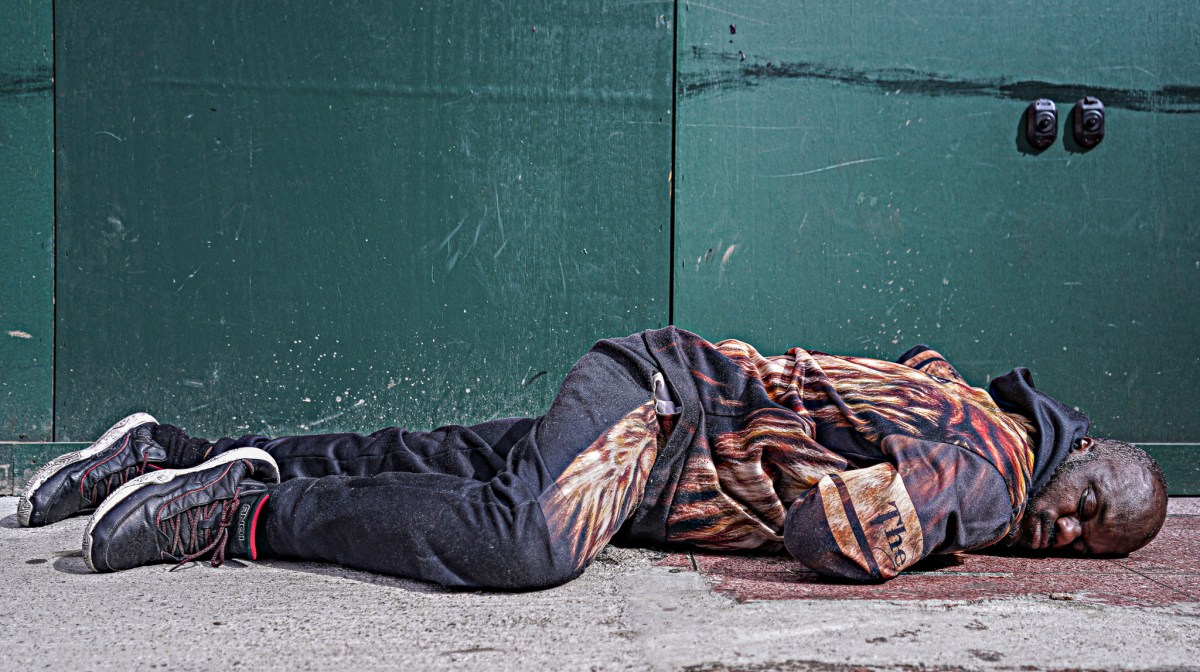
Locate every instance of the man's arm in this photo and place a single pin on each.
(870, 524)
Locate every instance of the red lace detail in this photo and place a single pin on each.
(191, 541)
(104, 487)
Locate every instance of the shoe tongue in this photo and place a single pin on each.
(245, 522)
(146, 446)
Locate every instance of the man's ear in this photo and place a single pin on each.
(1085, 444)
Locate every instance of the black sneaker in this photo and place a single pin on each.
(180, 515)
(78, 482)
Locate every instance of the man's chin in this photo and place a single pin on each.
(1020, 543)
(1018, 539)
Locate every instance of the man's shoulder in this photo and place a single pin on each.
(925, 359)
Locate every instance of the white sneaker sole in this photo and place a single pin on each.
(25, 506)
(162, 476)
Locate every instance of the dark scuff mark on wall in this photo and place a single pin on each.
(535, 376)
(38, 82)
(1168, 99)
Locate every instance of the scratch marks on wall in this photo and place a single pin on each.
(499, 218)
(724, 262)
(530, 379)
(189, 277)
(724, 71)
(38, 82)
(321, 421)
(20, 334)
(836, 165)
(460, 251)
(751, 19)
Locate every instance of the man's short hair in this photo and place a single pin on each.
(1119, 452)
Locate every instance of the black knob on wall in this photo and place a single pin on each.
(1087, 122)
(1041, 123)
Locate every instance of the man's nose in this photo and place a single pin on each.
(1068, 531)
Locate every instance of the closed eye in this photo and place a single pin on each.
(1088, 503)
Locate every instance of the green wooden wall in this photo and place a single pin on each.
(26, 221)
(849, 178)
(353, 215)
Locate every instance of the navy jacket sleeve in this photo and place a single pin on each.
(871, 523)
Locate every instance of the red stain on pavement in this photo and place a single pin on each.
(1161, 574)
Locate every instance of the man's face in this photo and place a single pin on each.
(1092, 506)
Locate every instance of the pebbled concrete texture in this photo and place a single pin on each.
(634, 609)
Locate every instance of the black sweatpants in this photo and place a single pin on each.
(513, 503)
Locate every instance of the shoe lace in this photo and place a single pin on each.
(193, 533)
(103, 487)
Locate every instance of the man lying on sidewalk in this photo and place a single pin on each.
(858, 467)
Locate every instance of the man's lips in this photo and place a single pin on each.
(1037, 536)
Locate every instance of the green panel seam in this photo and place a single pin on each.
(53, 224)
(673, 176)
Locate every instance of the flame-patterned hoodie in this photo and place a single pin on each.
(858, 467)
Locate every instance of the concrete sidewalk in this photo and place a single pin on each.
(633, 609)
